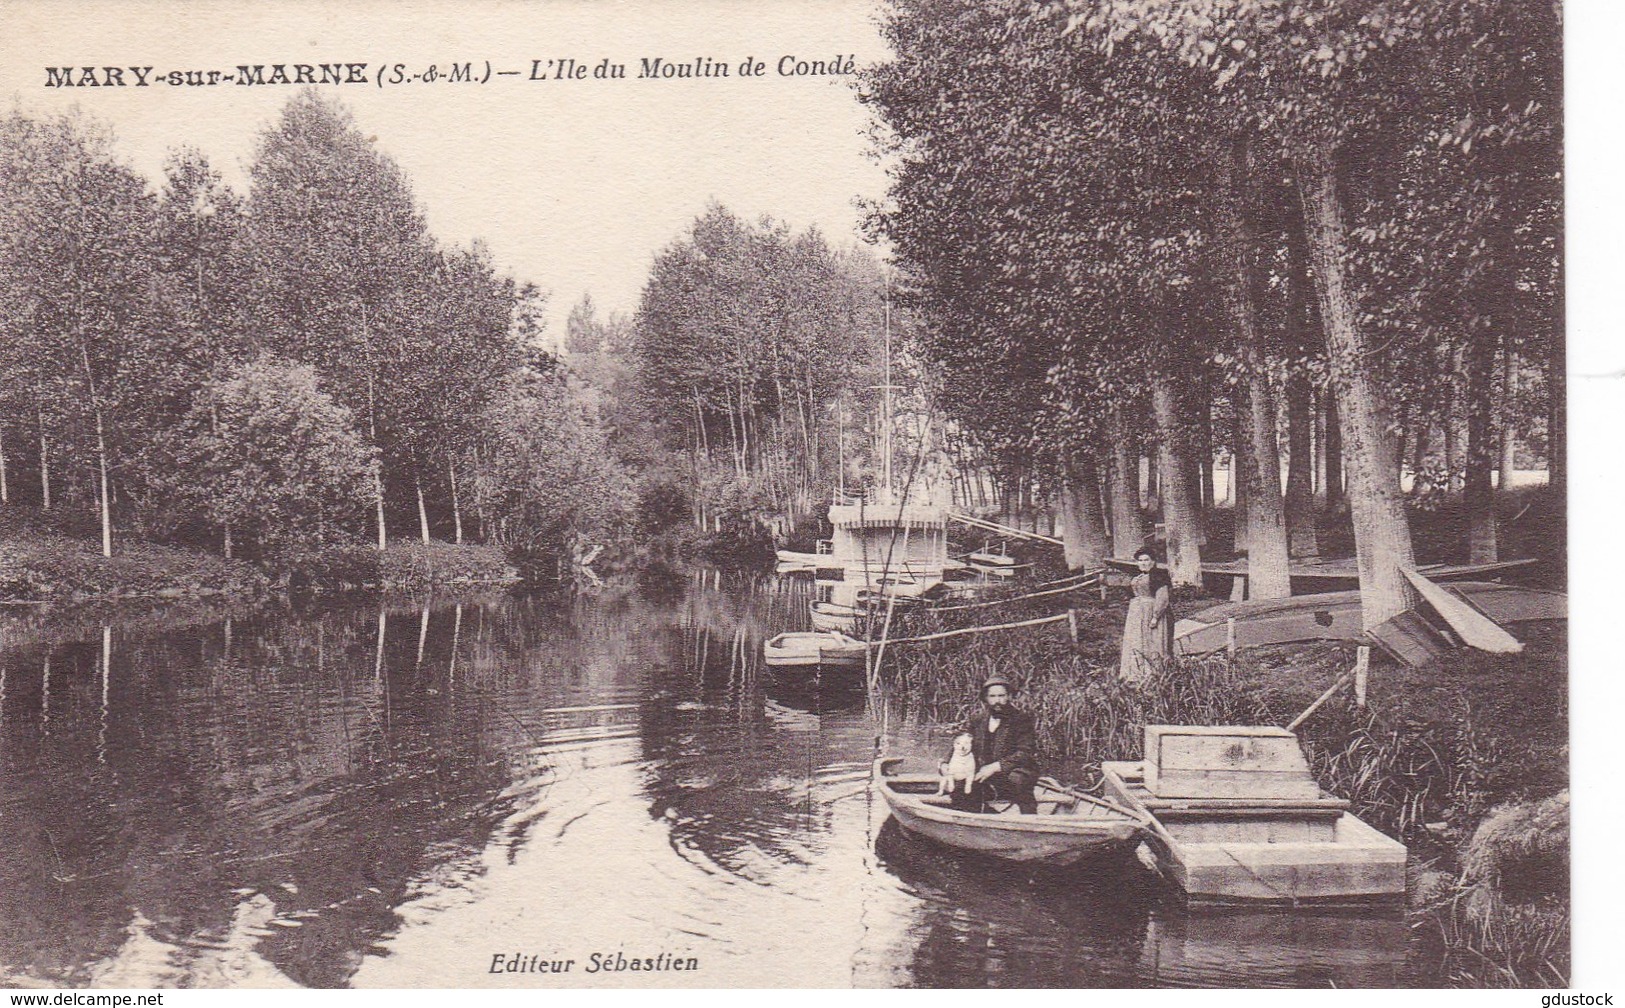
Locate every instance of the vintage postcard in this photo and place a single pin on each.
(823, 493)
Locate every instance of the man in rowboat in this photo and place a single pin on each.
(1006, 748)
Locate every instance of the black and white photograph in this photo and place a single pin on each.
(810, 494)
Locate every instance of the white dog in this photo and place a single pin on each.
(961, 766)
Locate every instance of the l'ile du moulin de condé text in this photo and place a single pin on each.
(389, 74)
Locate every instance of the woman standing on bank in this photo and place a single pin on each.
(1148, 632)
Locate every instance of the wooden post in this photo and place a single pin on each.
(1230, 634)
(1072, 626)
(1102, 586)
(1362, 663)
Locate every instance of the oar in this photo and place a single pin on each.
(1144, 819)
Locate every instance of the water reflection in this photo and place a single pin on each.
(388, 793)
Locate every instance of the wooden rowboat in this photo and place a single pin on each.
(1326, 575)
(1337, 616)
(808, 561)
(833, 616)
(829, 647)
(1069, 827)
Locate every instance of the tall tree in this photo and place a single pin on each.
(342, 269)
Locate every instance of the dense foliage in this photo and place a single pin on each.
(300, 364)
(1191, 222)
(758, 351)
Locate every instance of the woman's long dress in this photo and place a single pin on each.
(1145, 636)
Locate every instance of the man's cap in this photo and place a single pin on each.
(996, 680)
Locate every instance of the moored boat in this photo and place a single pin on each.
(821, 560)
(829, 647)
(833, 616)
(1069, 827)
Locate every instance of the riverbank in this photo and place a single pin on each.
(1466, 764)
(39, 567)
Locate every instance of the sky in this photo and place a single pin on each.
(575, 185)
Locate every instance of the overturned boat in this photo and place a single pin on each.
(1337, 616)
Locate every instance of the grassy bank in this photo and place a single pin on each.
(44, 567)
(39, 566)
(1467, 764)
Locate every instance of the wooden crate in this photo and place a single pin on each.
(1227, 761)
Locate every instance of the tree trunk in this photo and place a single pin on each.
(101, 450)
(1178, 496)
(1508, 413)
(378, 503)
(1267, 574)
(1455, 462)
(1302, 540)
(1557, 451)
(1382, 533)
(1478, 494)
(456, 505)
(1317, 417)
(1083, 527)
(5, 490)
(377, 469)
(423, 513)
(1421, 444)
(1203, 462)
(44, 466)
(1239, 529)
(107, 506)
(1334, 489)
(1128, 528)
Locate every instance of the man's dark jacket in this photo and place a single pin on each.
(1013, 746)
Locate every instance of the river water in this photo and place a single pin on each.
(410, 793)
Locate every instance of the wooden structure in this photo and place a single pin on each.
(1337, 616)
(985, 525)
(1069, 827)
(1329, 575)
(1239, 819)
(890, 544)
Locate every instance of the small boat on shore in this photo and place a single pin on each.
(824, 559)
(833, 616)
(819, 647)
(1327, 575)
(1337, 616)
(1070, 826)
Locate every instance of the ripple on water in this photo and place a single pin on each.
(357, 796)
